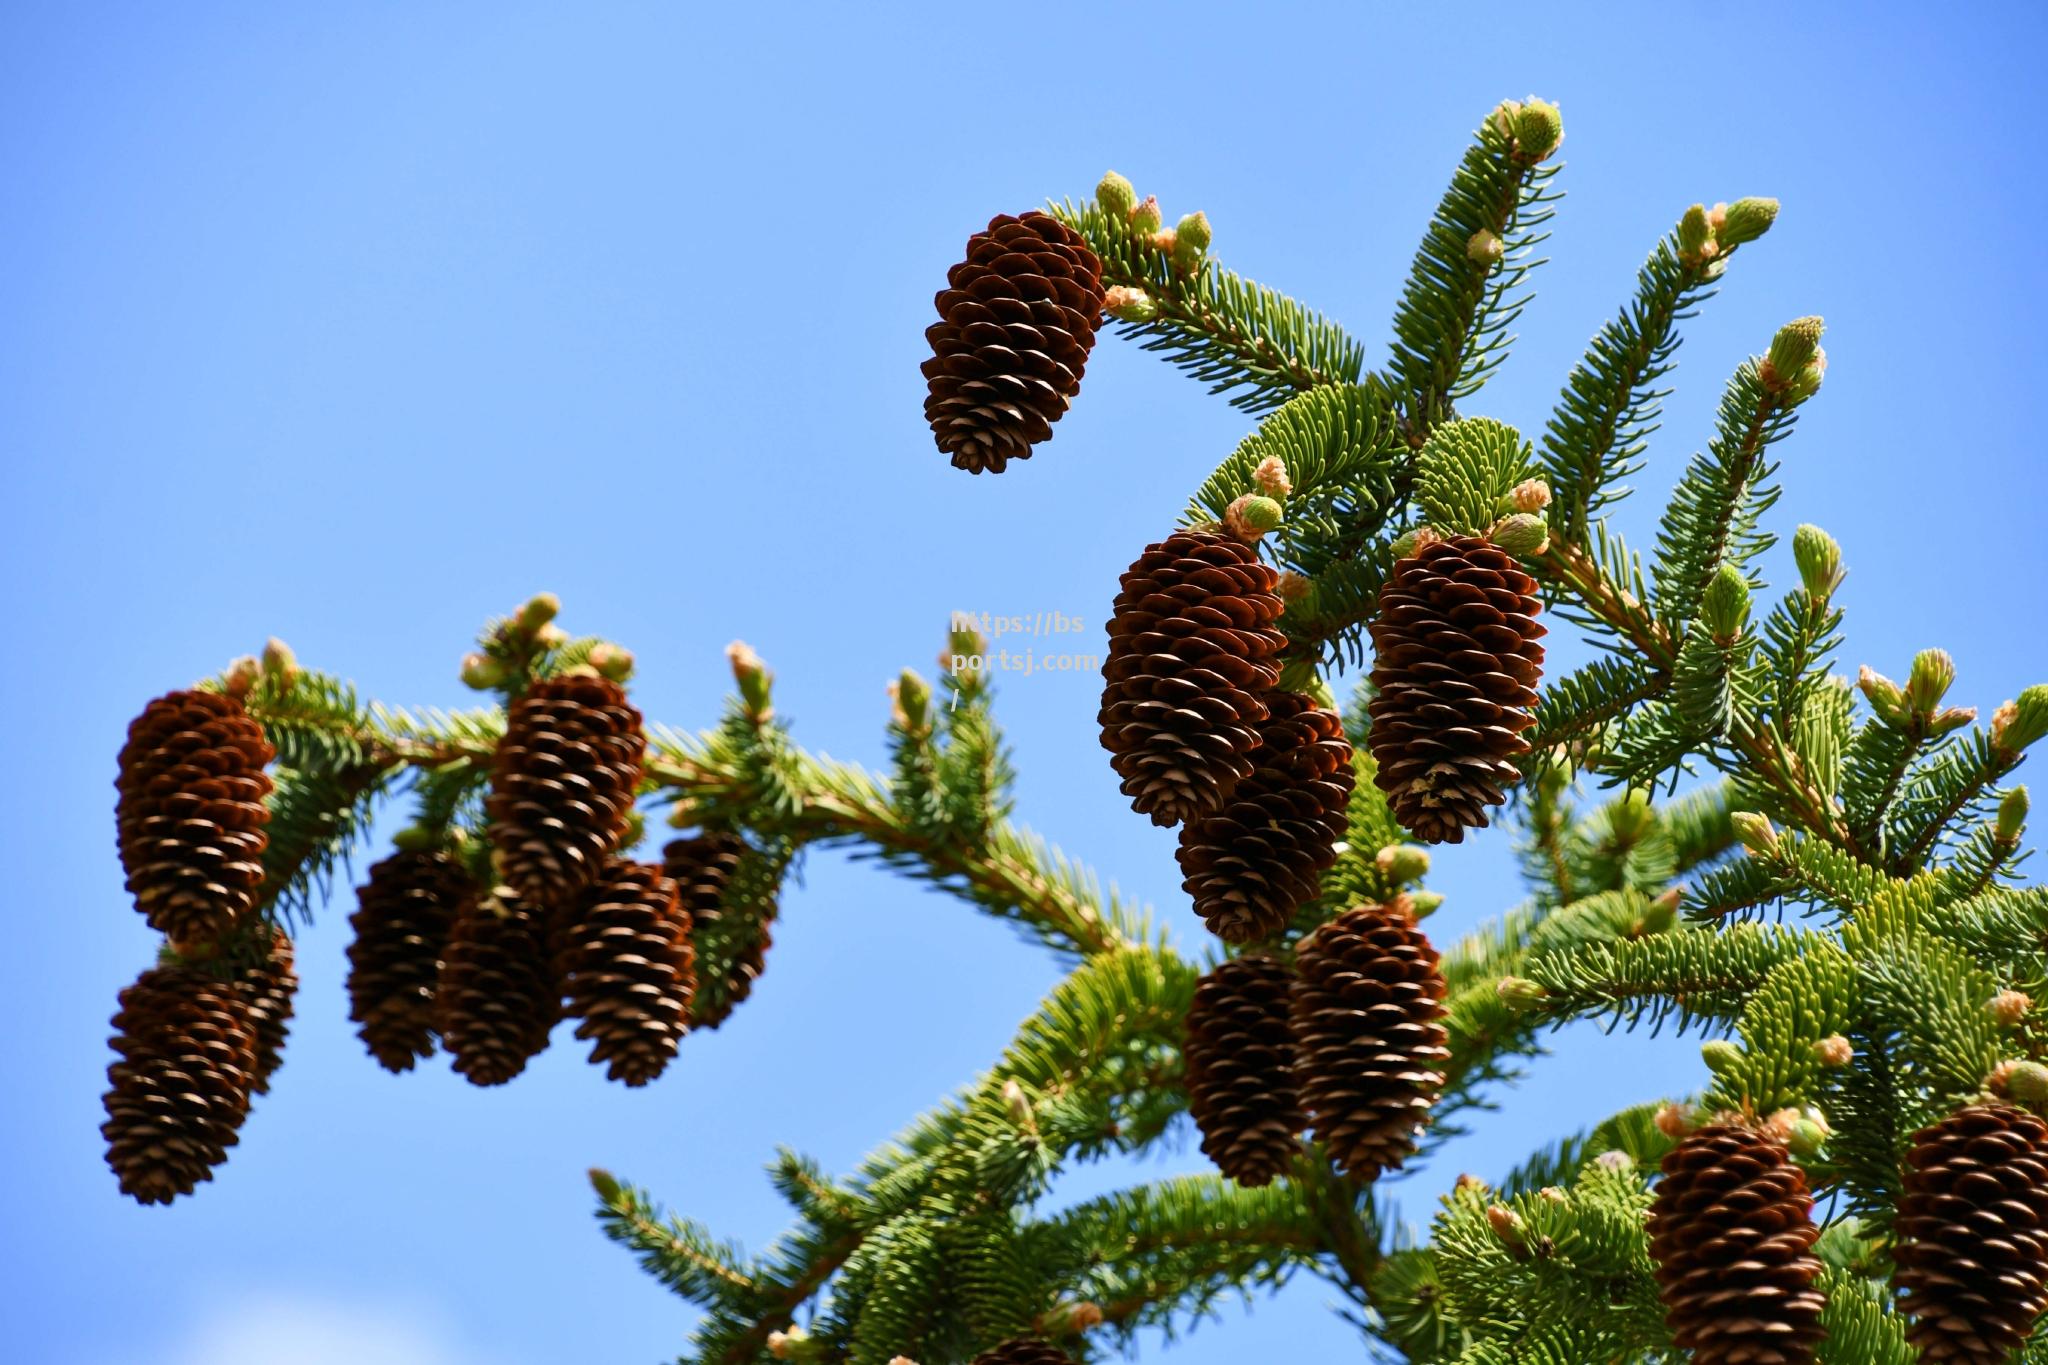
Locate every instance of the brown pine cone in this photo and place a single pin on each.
(1732, 1234)
(1455, 667)
(404, 913)
(1972, 1234)
(497, 998)
(1251, 865)
(1240, 1057)
(730, 933)
(1024, 1351)
(1368, 1035)
(627, 968)
(180, 1085)
(1192, 653)
(190, 813)
(562, 785)
(1017, 319)
(268, 985)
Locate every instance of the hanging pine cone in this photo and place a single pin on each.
(1017, 320)
(1240, 1057)
(404, 913)
(1024, 1351)
(1732, 1235)
(562, 785)
(1192, 653)
(627, 968)
(1455, 667)
(1251, 865)
(1368, 1036)
(268, 985)
(730, 931)
(180, 1085)
(190, 813)
(1972, 1234)
(497, 997)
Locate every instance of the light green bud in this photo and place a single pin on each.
(1819, 557)
(1725, 608)
(1116, 196)
(1746, 220)
(1191, 238)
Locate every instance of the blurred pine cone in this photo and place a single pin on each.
(1252, 864)
(1024, 1351)
(268, 984)
(1240, 1054)
(180, 1084)
(562, 785)
(1368, 1036)
(730, 929)
(627, 969)
(1017, 319)
(1732, 1234)
(1192, 653)
(497, 998)
(1455, 667)
(403, 916)
(190, 813)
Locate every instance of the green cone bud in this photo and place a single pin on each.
(1509, 1227)
(1885, 696)
(1254, 514)
(1520, 993)
(605, 1184)
(482, 672)
(1755, 831)
(1662, 914)
(1746, 220)
(1950, 718)
(2022, 721)
(1426, 903)
(1934, 672)
(1809, 1134)
(1404, 546)
(278, 659)
(1484, 248)
(1145, 219)
(1400, 863)
(1720, 1054)
(1128, 303)
(914, 695)
(754, 679)
(1539, 127)
(1117, 197)
(1694, 232)
(612, 661)
(2012, 814)
(1190, 242)
(1819, 557)
(1725, 609)
(1796, 343)
(540, 609)
(2027, 1082)
(1521, 534)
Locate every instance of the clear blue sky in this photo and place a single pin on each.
(355, 324)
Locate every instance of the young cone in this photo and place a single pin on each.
(628, 971)
(497, 998)
(1253, 863)
(1024, 1351)
(190, 813)
(1192, 652)
(1017, 319)
(1455, 667)
(1972, 1234)
(179, 1087)
(562, 785)
(1732, 1235)
(1368, 1035)
(1240, 1081)
(404, 913)
(268, 985)
(731, 940)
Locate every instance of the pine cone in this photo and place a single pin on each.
(562, 785)
(1369, 1044)
(404, 913)
(626, 965)
(1192, 653)
(1024, 1351)
(268, 985)
(190, 814)
(1251, 865)
(497, 997)
(180, 1086)
(1732, 1237)
(735, 936)
(1455, 667)
(1017, 320)
(1240, 1055)
(1972, 1234)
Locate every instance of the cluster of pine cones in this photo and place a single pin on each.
(573, 929)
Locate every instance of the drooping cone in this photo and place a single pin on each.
(1192, 653)
(497, 997)
(1455, 667)
(562, 785)
(730, 932)
(190, 814)
(180, 1084)
(403, 916)
(1016, 322)
(268, 985)
(1240, 1054)
(1972, 1234)
(1368, 1035)
(1732, 1235)
(1253, 863)
(1024, 1351)
(627, 968)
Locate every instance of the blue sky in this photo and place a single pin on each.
(355, 324)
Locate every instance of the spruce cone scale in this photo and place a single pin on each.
(404, 913)
(562, 785)
(497, 999)
(1368, 1035)
(627, 969)
(1972, 1234)
(1024, 1351)
(704, 868)
(1240, 1057)
(1455, 668)
(1192, 655)
(179, 1087)
(1017, 320)
(1252, 864)
(190, 815)
(1732, 1234)
(268, 985)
